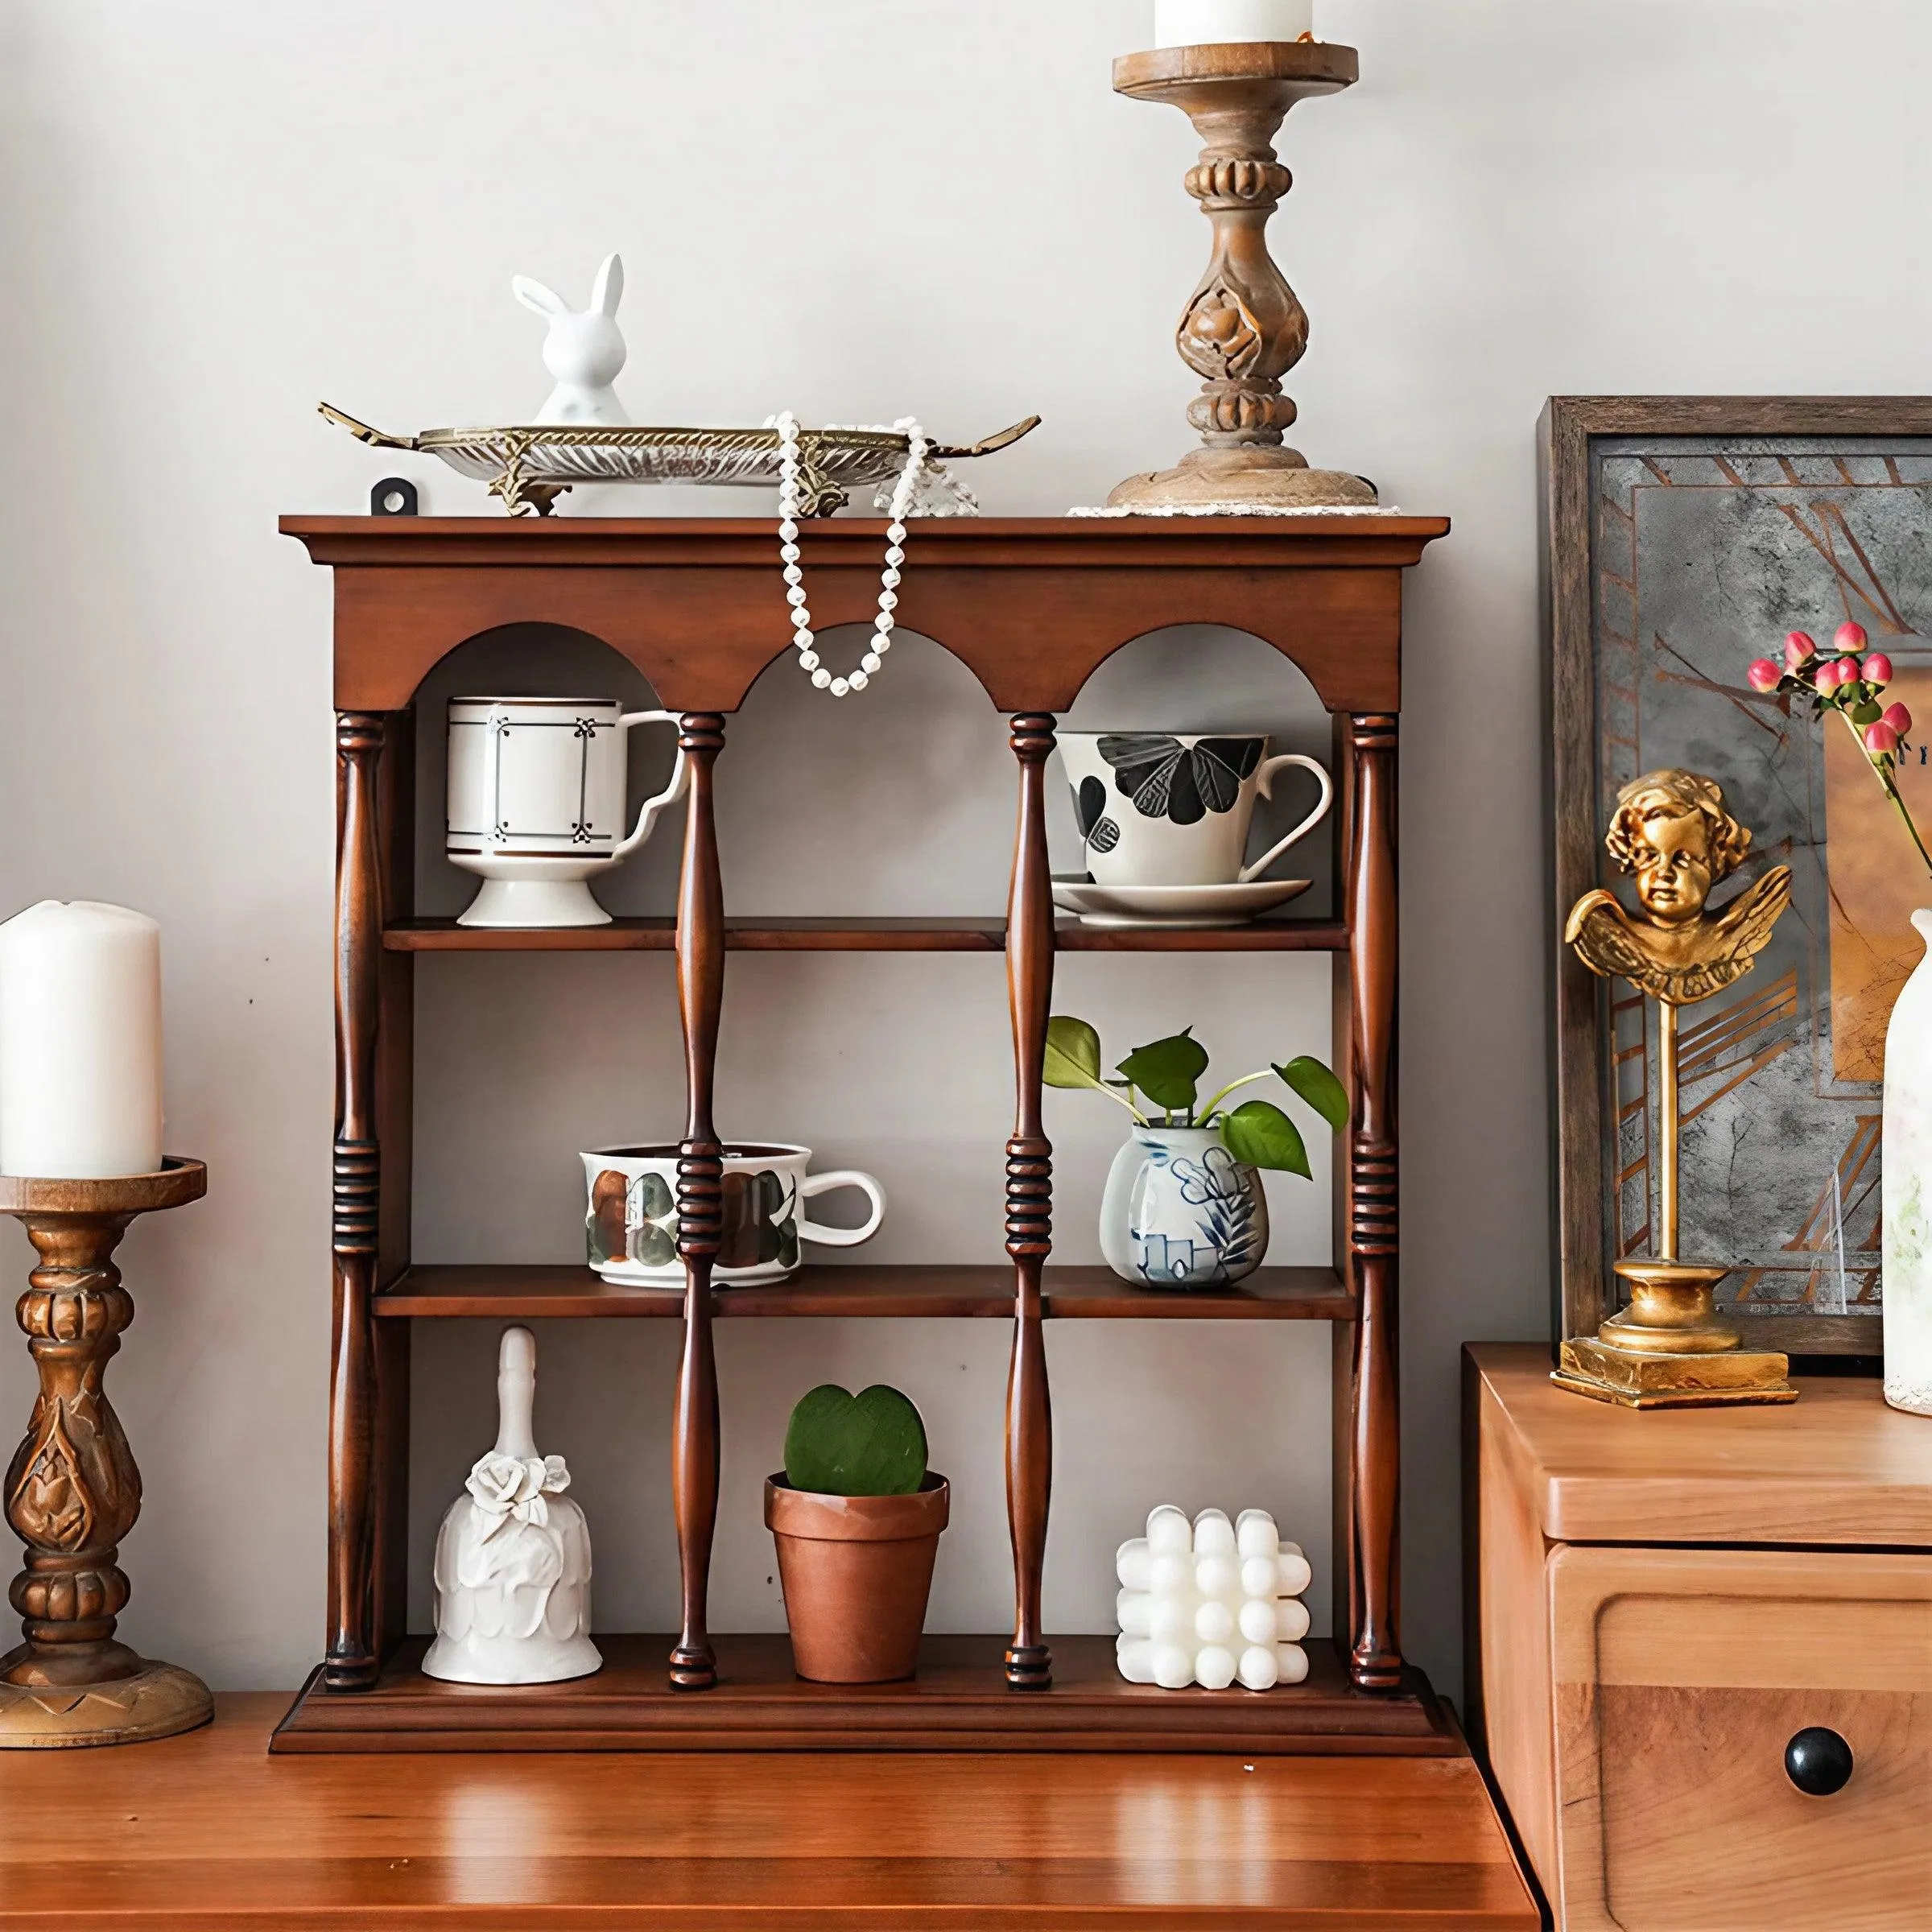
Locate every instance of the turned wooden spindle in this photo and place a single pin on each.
(1244, 327)
(1029, 1204)
(352, 1662)
(695, 1436)
(73, 1490)
(1375, 1661)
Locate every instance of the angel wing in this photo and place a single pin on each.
(1742, 929)
(1612, 945)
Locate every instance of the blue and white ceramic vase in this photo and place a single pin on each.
(1181, 1212)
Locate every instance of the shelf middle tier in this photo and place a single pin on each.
(554, 1289)
(854, 933)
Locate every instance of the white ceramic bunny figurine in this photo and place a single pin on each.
(584, 350)
(513, 1557)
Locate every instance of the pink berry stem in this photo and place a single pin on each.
(1892, 792)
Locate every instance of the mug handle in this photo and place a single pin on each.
(1264, 781)
(841, 1237)
(680, 774)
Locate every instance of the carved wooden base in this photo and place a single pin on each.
(156, 1701)
(72, 1489)
(1244, 327)
(1263, 474)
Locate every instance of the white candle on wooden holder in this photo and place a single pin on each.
(79, 1042)
(1202, 23)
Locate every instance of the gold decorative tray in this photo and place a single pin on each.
(530, 465)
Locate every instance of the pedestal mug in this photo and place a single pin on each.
(536, 803)
(1161, 808)
(632, 1220)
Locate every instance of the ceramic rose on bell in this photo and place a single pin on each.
(510, 1488)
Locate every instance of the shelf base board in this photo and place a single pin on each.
(959, 1702)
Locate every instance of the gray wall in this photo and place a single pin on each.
(215, 213)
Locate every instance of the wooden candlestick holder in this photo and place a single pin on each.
(73, 1490)
(1244, 328)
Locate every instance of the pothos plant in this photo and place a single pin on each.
(1164, 1077)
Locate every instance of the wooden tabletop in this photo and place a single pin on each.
(206, 1830)
(1837, 1466)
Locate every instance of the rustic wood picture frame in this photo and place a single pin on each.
(1569, 435)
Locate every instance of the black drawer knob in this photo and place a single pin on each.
(1818, 1761)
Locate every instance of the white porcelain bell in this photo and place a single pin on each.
(513, 1557)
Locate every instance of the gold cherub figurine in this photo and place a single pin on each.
(1671, 830)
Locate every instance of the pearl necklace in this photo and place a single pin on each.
(902, 497)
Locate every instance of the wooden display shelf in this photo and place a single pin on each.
(1031, 608)
(960, 1701)
(534, 1291)
(855, 934)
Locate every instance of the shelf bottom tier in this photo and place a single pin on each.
(959, 1701)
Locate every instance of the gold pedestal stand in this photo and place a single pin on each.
(72, 1491)
(1243, 328)
(1668, 1350)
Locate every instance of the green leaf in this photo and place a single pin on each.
(872, 1444)
(1168, 1071)
(1317, 1086)
(1073, 1053)
(1260, 1134)
(1868, 713)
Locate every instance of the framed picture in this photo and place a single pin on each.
(1682, 537)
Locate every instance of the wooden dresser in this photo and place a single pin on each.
(1660, 1604)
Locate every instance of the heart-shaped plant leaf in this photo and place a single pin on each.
(1073, 1053)
(1313, 1081)
(1260, 1134)
(1168, 1071)
(872, 1444)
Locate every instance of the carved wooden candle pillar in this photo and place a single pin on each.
(1243, 328)
(72, 1491)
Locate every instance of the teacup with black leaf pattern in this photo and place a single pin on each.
(1170, 808)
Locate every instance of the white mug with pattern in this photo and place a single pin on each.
(631, 1222)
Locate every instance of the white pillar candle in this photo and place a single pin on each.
(1200, 22)
(79, 1042)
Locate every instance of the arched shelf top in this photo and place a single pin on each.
(1031, 606)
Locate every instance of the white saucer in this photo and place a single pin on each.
(1178, 907)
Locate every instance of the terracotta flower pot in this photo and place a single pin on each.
(857, 1571)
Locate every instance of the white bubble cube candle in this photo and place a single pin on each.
(1211, 1603)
